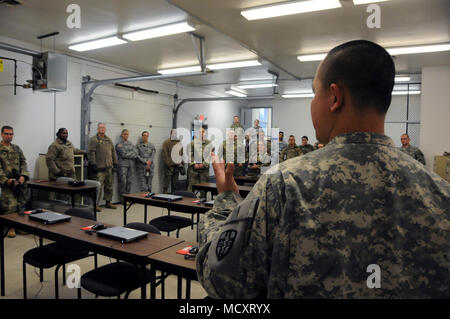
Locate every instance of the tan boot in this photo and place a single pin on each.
(109, 205)
(11, 233)
(98, 208)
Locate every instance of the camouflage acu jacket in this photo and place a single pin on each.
(414, 152)
(313, 225)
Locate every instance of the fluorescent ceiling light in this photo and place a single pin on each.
(297, 95)
(402, 79)
(419, 49)
(236, 92)
(312, 57)
(257, 86)
(232, 65)
(288, 8)
(392, 51)
(159, 31)
(188, 69)
(96, 44)
(357, 2)
(416, 92)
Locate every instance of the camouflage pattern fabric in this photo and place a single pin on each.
(146, 152)
(306, 148)
(414, 152)
(236, 126)
(101, 152)
(106, 178)
(60, 158)
(290, 152)
(231, 153)
(126, 155)
(12, 158)
(171, 168)
(312, 225)
(199, 154)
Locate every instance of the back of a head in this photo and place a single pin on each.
(365, 69)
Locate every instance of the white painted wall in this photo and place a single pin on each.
(37, 115)
(435, 113)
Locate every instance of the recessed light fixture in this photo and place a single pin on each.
(187, 69)
(161, 31)
(415, 92)
(419, 49)
(392, 51)
(288, 8)
(233, 65)
(257, 86)
(357, 2)
(97, 44)
(402, 79)
(236, 92)
(297, 95)
(312, 57)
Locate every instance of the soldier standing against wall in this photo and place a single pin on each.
(199, 161)
(13, 176)
(126, 155)
(102, 159)
(291, 150)
(60, 156)
(171, 168)
(412, 151)
(305, 147)
(144, 162)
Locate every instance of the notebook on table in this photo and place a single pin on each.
(50, 217)
(122, 234)
(168, 197)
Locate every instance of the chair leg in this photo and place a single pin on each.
(95, 261)
(79, 293)
(178, 232)
(64, 275)
(56, 282)
(163, 286)
(126, 295)
(24, 280)
(118, 297)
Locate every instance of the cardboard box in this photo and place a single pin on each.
(442, 167)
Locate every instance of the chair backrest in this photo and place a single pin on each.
(64, 179)
(185, 194)
(80, 212)
(144, 227)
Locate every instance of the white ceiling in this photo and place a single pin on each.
(229, 36)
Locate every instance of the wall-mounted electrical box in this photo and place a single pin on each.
(50, 72)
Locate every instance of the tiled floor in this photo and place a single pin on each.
(16, 247)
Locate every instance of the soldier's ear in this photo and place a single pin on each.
(337, 97)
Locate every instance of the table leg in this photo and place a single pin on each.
(2, 262)
(179, 288)
(145, 213)
(188, 288)
(73, 200)
(124, 211)
(143, 290)
(95, 204)
(153, 283)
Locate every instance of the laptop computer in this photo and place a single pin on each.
(167, 197)
(50, 217)
(122, 234)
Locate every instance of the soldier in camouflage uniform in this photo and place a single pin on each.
(103, 159)
(231, 153)
(236, 124)
(291, 151)
(144, 163)
(172, 169)
(60, 156)
(198, 171)
(312, 227)
(126, 155)
(281, 143)
(412, 151)
(305, 147)
(258, 160)
(13, 176)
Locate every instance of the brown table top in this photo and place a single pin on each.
(214, 186)
(58, 186)
(71, 230)
(168, 258)
(185, 204)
